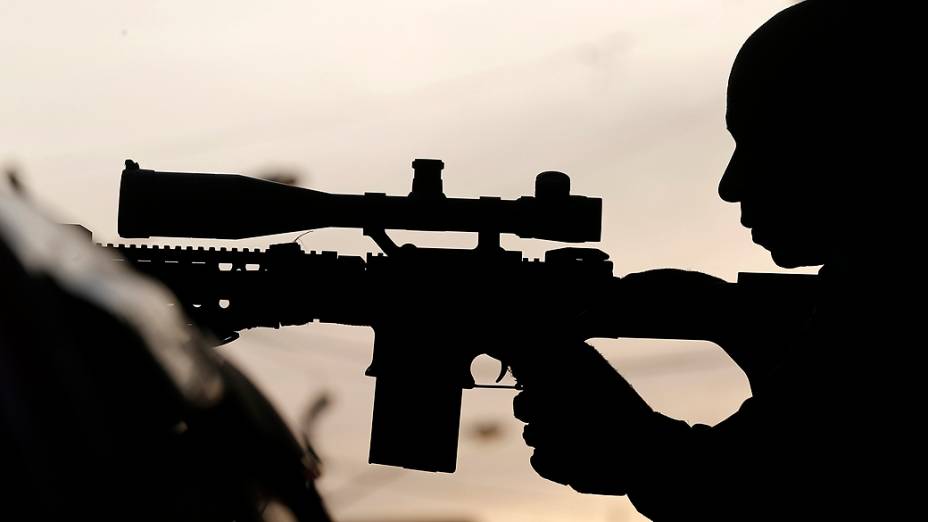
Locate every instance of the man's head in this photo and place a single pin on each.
(801, 111)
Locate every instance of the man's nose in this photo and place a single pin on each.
(731, 184)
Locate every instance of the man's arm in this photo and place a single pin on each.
(701, 472)
(592, 431)
(752, 320)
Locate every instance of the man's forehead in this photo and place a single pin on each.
(794, 70)
(741, 113)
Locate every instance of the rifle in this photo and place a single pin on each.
(433, 310)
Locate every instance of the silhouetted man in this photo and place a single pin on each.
(827, 432)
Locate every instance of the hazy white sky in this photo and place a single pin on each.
(625, 96)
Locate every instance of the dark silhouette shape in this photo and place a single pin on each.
(812, 106)
(111, 408)
(14, 180)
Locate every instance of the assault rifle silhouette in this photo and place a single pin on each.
(433, 310)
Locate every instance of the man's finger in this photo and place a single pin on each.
(523, 408)
(535, 436)
(552, 466)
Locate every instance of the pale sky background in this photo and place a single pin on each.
(628, 97)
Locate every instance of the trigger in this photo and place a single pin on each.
(503, 368)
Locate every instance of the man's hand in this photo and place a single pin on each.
(588, 426)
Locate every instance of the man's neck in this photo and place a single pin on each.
(859, 269)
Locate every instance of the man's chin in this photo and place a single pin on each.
(786, 253)
(787, 258)
(788, 250)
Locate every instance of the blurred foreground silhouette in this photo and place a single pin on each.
(112, 408)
